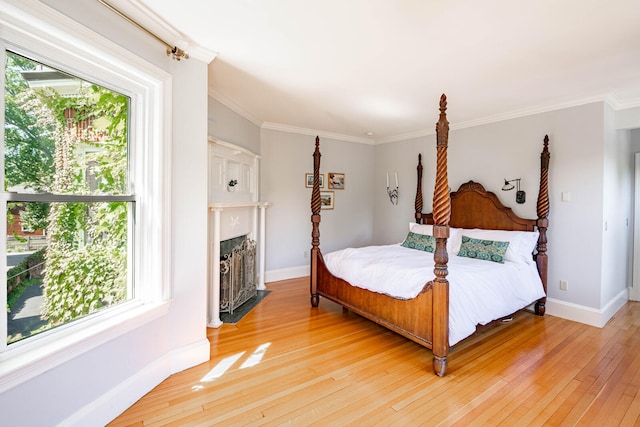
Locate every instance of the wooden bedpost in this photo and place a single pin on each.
(315, 221)
(441, 216)
(543, 223)
(419, 192)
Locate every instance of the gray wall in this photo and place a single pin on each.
(511, 149)
(286, 158)
(227, 125)
(392, 221)
(635, 140)
(590, 159)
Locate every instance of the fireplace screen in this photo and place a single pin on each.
(238, 275)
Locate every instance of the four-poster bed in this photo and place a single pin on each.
(425, 317)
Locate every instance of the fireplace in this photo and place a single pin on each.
(237, 272)
(234, 213)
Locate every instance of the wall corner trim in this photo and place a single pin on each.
(587, 315)
(112, 403)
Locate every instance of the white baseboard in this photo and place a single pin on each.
(287, 273)
(614, 305)
(189, 356)
(115, 401)
(583, 314)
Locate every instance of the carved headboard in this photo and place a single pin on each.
(474, 207)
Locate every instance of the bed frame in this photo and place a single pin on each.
(425, 318)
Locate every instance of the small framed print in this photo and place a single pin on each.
(336, 181)
(326, 199)
(308, 180)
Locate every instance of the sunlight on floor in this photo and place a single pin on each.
(225, 364)
(222, 367)
(256, 357)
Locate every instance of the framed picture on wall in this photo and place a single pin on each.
(308, 180)
(336, 180)
(326, 199)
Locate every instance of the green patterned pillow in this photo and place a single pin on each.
(421, 242)
(487, 250)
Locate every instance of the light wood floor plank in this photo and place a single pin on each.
(632, 416)
(326, 367)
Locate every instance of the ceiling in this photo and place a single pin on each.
(373, 70)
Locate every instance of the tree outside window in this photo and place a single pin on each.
(66, 168)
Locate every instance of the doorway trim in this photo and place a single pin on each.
(634, 291)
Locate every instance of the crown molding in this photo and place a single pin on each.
(227, 102)
(198, 52)
(617, 104)
(609, 99)
(305, 131)
(281, 127)
(529, 111)
(539, 109)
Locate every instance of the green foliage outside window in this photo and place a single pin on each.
(86, 255)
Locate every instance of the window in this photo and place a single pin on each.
(66, 168)
(85, 161)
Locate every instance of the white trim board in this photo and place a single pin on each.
(634, 291)
(583, 314)
(115, 401)
(287, 273)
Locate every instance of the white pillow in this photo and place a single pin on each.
(521, 243)
(455, 237)
(426, 229)
(453, 242)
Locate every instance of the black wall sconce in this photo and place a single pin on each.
(508, 185)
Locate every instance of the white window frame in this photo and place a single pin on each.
(43, 34)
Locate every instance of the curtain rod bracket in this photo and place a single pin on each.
(177, 53)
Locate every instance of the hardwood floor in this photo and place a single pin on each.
(286, 363)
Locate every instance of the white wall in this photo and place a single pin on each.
(286, 158)
(634, 143)
(189, 193)
(628, 118)
(99, 384)
(618, 230)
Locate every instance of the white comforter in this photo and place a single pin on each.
(479, 291)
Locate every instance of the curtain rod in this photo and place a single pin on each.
(174, 51)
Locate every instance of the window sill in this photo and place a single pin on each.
(27, 359)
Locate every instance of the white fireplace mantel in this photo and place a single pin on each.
(234, 210)
(258, 225)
